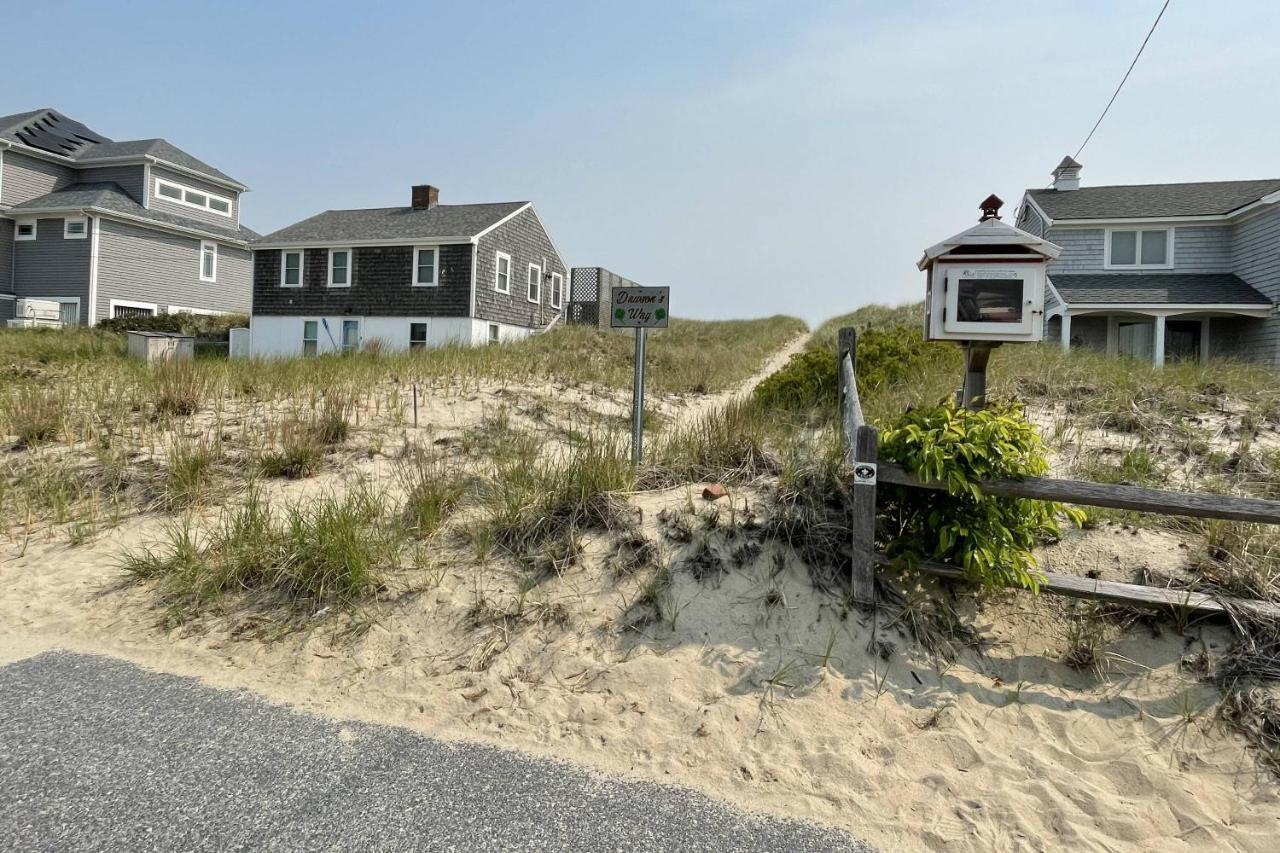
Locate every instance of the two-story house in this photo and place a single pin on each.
(109, 229)
(1161, 271)
(407, 277)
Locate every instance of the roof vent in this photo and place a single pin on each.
(990, 207)
(425, 197)
(1067, 176)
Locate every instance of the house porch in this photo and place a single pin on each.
(1159, 335)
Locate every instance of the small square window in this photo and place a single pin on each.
(75, 229)
(417, 335)
(26, 230)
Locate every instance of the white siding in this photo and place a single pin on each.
(281, 337)
(26, 177)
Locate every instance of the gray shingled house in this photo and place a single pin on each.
(91, 228)
(1161, 271)
(423, 275)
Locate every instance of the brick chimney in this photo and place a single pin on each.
(425, 197)
(1067, 176)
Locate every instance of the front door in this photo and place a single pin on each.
(350, 335)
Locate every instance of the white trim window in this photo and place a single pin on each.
(418, 335)
(75, 228)
(292, 262)
(339, 267)
(1133, 248)
(557, 290)
(208, 261)
(25, 230)
(128, 308)
(310, 337)
(535, 283)
(502, 272)
(350, 336)
(425, 266)
(192, 197)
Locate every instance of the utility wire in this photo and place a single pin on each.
(1122, 81)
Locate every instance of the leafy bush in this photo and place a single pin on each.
(203, 325)
(809, 380)
(990, 537)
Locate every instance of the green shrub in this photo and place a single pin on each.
(809, 380)
(990, 537)
(201, 325)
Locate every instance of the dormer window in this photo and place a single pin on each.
(1148, 248)
(192, 197)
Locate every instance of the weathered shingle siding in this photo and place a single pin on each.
(163, 204)
(52, 266)
(26, 177)
(153, 266)
(1202, 248)
(524, 239)
(1089, 331)
(1197, 249)
(131, 179)
(1082, 249)
(1030, 221)
(382, 284)
(1255, 254)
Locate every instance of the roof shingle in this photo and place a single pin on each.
(395, 223)
(1157, 289)
(1151, 200)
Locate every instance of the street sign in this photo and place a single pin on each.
(639, 307)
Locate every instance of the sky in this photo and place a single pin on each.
(758, 157)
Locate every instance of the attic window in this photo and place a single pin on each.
(190, 197)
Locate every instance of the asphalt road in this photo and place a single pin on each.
(97, 754)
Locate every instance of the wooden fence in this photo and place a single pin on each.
(862, 452)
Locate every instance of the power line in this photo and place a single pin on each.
(1122, 81)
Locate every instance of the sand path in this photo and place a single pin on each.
(710, 402)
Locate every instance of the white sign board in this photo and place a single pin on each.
(639, 307)
(864, 474)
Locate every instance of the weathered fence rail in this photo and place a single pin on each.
(862, 443)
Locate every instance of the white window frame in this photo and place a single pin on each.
(305, 339)
(66, 228)
(302, 266)
(129, 303)
(183, 189)
(351, 266)
(435, 266)
(205, 245)
(494, 334)
(557, 290)
(498, 258)
(342, 335)
(536, 299)
(1137, 249)
(17, 233)
(426, 331)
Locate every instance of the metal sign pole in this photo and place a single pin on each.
(637, 401)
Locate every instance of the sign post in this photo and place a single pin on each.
(639, 308)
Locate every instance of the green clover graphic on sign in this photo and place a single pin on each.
(660, 313)
(620, 313)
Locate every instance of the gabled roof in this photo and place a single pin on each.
(52, 132)
(1156, 289)
(110, 198)
(396, 223)
(1152, 200)
(990, 232)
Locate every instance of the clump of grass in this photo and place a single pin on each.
(180, 388)
(810, 512)
(35, 416)
(300, 454)
(536, 506)
(329, 551)
(1239, 559)
(728, 444)
(1085, 639)
(189, 474)
(332, 422)
(432, 493)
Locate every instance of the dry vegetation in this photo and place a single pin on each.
(500, 570)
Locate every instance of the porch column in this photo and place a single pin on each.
(1204, 341)
(1066, 331)
(1158, 356)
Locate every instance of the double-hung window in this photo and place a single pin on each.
(26, 230)
(208, 261)
(350, 336)
(424, 267)
(557, 290)
(339, 267)
(502, 273)
(75, 228)
(291, 268)
(417, 335)
(310, 336)
(1139, 248)
(535, 283)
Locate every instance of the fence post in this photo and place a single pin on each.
(861, 451)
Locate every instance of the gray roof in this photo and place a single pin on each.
(395, 223)
(14, 127)
(1146, 200)
(1157, 289)
(110, 197)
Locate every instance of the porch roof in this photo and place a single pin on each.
(1155, 289)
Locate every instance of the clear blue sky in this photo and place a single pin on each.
(756, 156)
